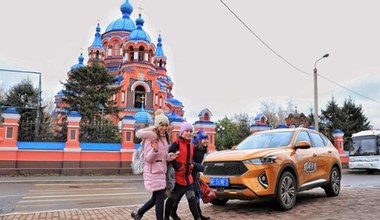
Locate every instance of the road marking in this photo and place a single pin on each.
(83, 195)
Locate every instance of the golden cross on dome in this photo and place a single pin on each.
(140, 9)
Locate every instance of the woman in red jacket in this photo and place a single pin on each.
(183, 165)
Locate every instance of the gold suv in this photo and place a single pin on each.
(274, 164)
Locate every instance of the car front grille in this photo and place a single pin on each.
(225, 168)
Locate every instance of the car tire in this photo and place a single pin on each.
(286, 191)
(219, 201)
(371, 171)
(333, 188)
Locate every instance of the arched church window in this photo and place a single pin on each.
(116, 49)
(150, 56)
(97, 54)
(141, 53)
(263, 120)
(131, 54)
(139, 96)
(105, 49)
(109, 50)
(160, 65)
(207, 117)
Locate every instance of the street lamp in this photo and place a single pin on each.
(316, 92)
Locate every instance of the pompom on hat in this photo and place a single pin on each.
(186, 126)
(160, 118)
(201, 134)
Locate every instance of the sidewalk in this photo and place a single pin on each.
(352, 203)
(67, 179)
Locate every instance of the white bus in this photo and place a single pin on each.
(365, 151)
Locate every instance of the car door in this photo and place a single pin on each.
(306, 159)
(323, 157)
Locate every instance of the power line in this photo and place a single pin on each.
(289, 63)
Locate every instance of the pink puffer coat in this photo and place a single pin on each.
(155, 163)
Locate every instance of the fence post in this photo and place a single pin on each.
(338, 143)
(127, 143)
(8, 141)
(71, 156)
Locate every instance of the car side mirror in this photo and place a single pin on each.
(303, 144)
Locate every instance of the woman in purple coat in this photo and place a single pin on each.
(156, 156)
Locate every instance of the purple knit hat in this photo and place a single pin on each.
(186, 126)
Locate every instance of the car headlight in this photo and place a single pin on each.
(262, 160)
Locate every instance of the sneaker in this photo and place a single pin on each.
(174, 216)
(136, 216)
(204, 217)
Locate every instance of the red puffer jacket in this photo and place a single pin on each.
(183, 164)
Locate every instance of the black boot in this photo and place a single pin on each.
(173, 212)
(194, 208)
(168, 207)
(136, 216)
(200, 213)
(174, 215)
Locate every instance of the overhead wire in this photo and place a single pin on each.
(288, 62)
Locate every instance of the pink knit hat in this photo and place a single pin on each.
(186, 126)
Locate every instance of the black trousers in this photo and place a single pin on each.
(158, 200)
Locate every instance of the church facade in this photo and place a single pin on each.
(138, 64)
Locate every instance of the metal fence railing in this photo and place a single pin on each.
(100, 131)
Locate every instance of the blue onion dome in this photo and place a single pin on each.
(143, 117)
(174, 101)
(97, 41)
(174, 117)
(139, 33)
(159, 51)
(79, 64)
(124, 23)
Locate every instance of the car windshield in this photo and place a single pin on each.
(266, 140)
(365, 145)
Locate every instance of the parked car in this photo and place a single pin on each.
(274, 164)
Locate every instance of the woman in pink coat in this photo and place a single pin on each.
(156, 156)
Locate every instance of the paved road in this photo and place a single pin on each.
(358, 200)
(352, 203)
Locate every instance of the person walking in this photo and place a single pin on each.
(183, 166)
(156, 156)
(200, 141)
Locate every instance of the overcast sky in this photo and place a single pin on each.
(214, 61)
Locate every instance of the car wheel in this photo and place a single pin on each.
(219, 201)
(286, 191)
(333, 188)
(370, 171)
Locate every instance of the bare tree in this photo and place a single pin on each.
(275, 113)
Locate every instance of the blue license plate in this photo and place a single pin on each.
(219, 181)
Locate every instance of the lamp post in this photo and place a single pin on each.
(38, 97)
(220, 130)
(316, 92)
